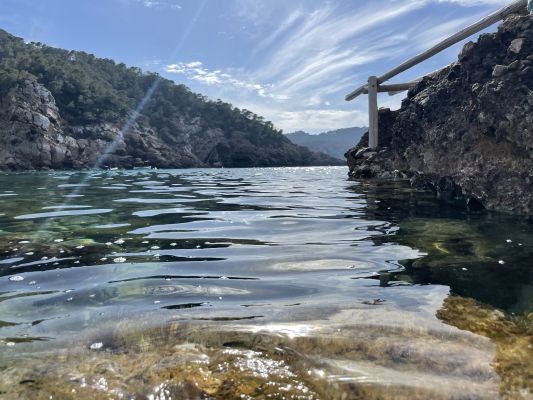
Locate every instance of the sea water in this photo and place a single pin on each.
(257, 283)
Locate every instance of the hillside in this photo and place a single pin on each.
(65, 109)
(334, 143)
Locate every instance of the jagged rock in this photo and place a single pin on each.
(517, 45)
(40, 121)
(466, 131)
(499, 70)
(33, 138)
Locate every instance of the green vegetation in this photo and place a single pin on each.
(88, 89)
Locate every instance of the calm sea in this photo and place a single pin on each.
(257, 283)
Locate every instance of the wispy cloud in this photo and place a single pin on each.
(472, 3)
(306, 55)
(196, 71)
(288, 23)
(328, 37)
(160, 4)
(321, 120)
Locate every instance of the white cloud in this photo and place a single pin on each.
(160, 4)
(197, 72)
(310, 120)
(471, 3)
(320, 120)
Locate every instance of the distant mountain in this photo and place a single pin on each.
(64, 109)
(334, 143)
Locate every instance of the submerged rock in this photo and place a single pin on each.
(467, 130)
(446, 242)
(367, 352)
(513, 337)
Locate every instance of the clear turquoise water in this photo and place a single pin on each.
(291, 252)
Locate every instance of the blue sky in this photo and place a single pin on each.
(292, 61)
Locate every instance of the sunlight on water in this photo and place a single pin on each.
(257, 283)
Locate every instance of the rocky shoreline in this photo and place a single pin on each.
(467, 130)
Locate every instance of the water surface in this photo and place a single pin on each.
(257, 283)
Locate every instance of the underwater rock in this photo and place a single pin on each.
(157, 370)
(445, 241)
(513, 336)
(365, 353)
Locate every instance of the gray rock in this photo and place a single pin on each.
(40, 121)
(466, 51)
(32, 137)
(499, 70)
(517, 45)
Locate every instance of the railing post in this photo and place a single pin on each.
(373, 112)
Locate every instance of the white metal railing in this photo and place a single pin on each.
(374, 85)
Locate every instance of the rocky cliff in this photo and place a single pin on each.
(466, 131)
(71, 110)
(33, 136)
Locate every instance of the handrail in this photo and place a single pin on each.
(496, 16)
(395, 87)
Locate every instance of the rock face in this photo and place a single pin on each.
(466, 131)
(34, 137)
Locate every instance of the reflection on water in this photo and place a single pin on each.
(257, 283)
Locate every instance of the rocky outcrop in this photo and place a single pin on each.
(31, 129)
(466, 131)
(35, 137)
